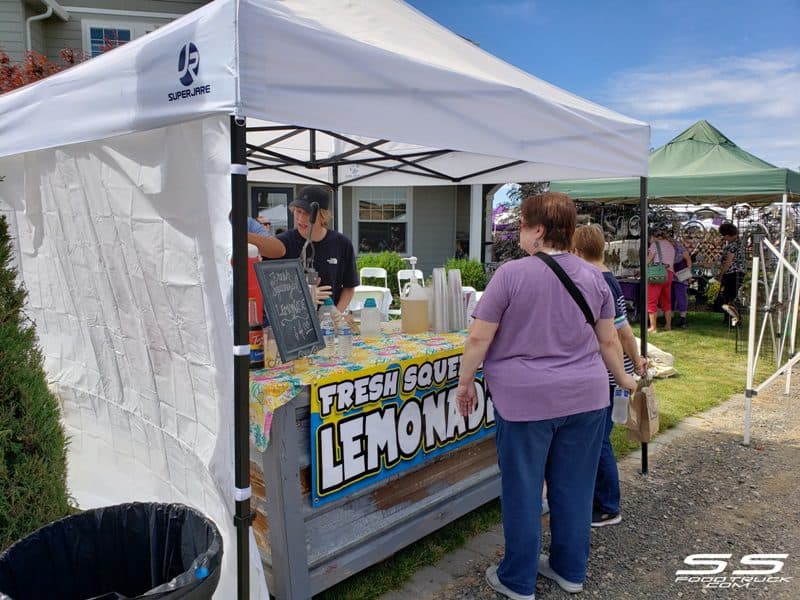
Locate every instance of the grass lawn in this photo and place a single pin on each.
(709, 372)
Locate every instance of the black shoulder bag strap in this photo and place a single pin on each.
(569, 284)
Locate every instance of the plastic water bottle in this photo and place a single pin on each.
(328, 328)
(619, 409)
(345, 341)
(370, 319)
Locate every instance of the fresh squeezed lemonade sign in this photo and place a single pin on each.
(386, 419)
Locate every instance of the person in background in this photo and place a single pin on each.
(545, 366)
(658, 294)
(680, 289)
(731, 271)
(266, 223)
(255, 227)
(255, 231)
(334, 257)
(589, 243)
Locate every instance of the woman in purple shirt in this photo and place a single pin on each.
(546, 370)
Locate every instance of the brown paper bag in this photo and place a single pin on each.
(642, 421)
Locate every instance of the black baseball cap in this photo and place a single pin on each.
(309, 194)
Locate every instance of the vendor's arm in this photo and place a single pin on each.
(270, 247)
(480, 336)
(345, 296)
(611, 351)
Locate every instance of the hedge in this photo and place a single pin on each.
(33, 458)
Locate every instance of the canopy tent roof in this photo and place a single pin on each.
(376, 70)
(700, 165)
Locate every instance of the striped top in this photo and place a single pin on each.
(620, 318)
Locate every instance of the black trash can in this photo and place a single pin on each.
(139, 550)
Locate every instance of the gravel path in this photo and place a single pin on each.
(705, 493)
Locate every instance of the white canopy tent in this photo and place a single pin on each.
(119, 175)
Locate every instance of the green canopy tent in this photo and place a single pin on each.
(700, 165)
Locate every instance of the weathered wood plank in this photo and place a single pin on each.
(290, 576)
(426, 519)
(388, 506)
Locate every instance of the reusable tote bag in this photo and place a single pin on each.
(657, 272)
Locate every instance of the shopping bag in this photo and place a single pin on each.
(642, 421)
(656, 273)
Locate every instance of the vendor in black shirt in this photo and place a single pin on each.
(334, 257)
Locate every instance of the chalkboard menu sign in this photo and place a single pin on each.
(290, 309)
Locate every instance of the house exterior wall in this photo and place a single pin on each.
(462, 216)
(435, 213)
(434, 225)
(37, 27)
(347, 208)
(61, 35)
(12, 29)
(52, 35)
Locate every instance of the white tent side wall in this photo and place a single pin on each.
(123, 245)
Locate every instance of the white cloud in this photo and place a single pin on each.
(752, 99)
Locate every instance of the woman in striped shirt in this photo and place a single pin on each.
(589, 244)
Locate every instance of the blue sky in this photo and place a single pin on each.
(735, 63)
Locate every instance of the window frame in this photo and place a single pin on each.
(136, 27)
(409, 199)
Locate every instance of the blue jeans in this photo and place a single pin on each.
(564, 450)
(606, 488)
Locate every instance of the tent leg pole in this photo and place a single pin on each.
(751, 352)
(339, 195)
(241, 360)
(642, 300)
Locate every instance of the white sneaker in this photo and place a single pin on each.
(545, 570)
(494, 582)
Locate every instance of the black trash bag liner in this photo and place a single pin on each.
(137, 550)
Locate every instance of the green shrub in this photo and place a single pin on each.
(472, 272)
(33, 461)
(391, 261)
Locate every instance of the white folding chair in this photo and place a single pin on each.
(375, 273)
(408, 275)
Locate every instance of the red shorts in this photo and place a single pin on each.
(658, 294)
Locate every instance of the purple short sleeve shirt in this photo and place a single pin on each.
(544, 361)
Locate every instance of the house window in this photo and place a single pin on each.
(105, 38)
(383, 217)
(101, 36)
